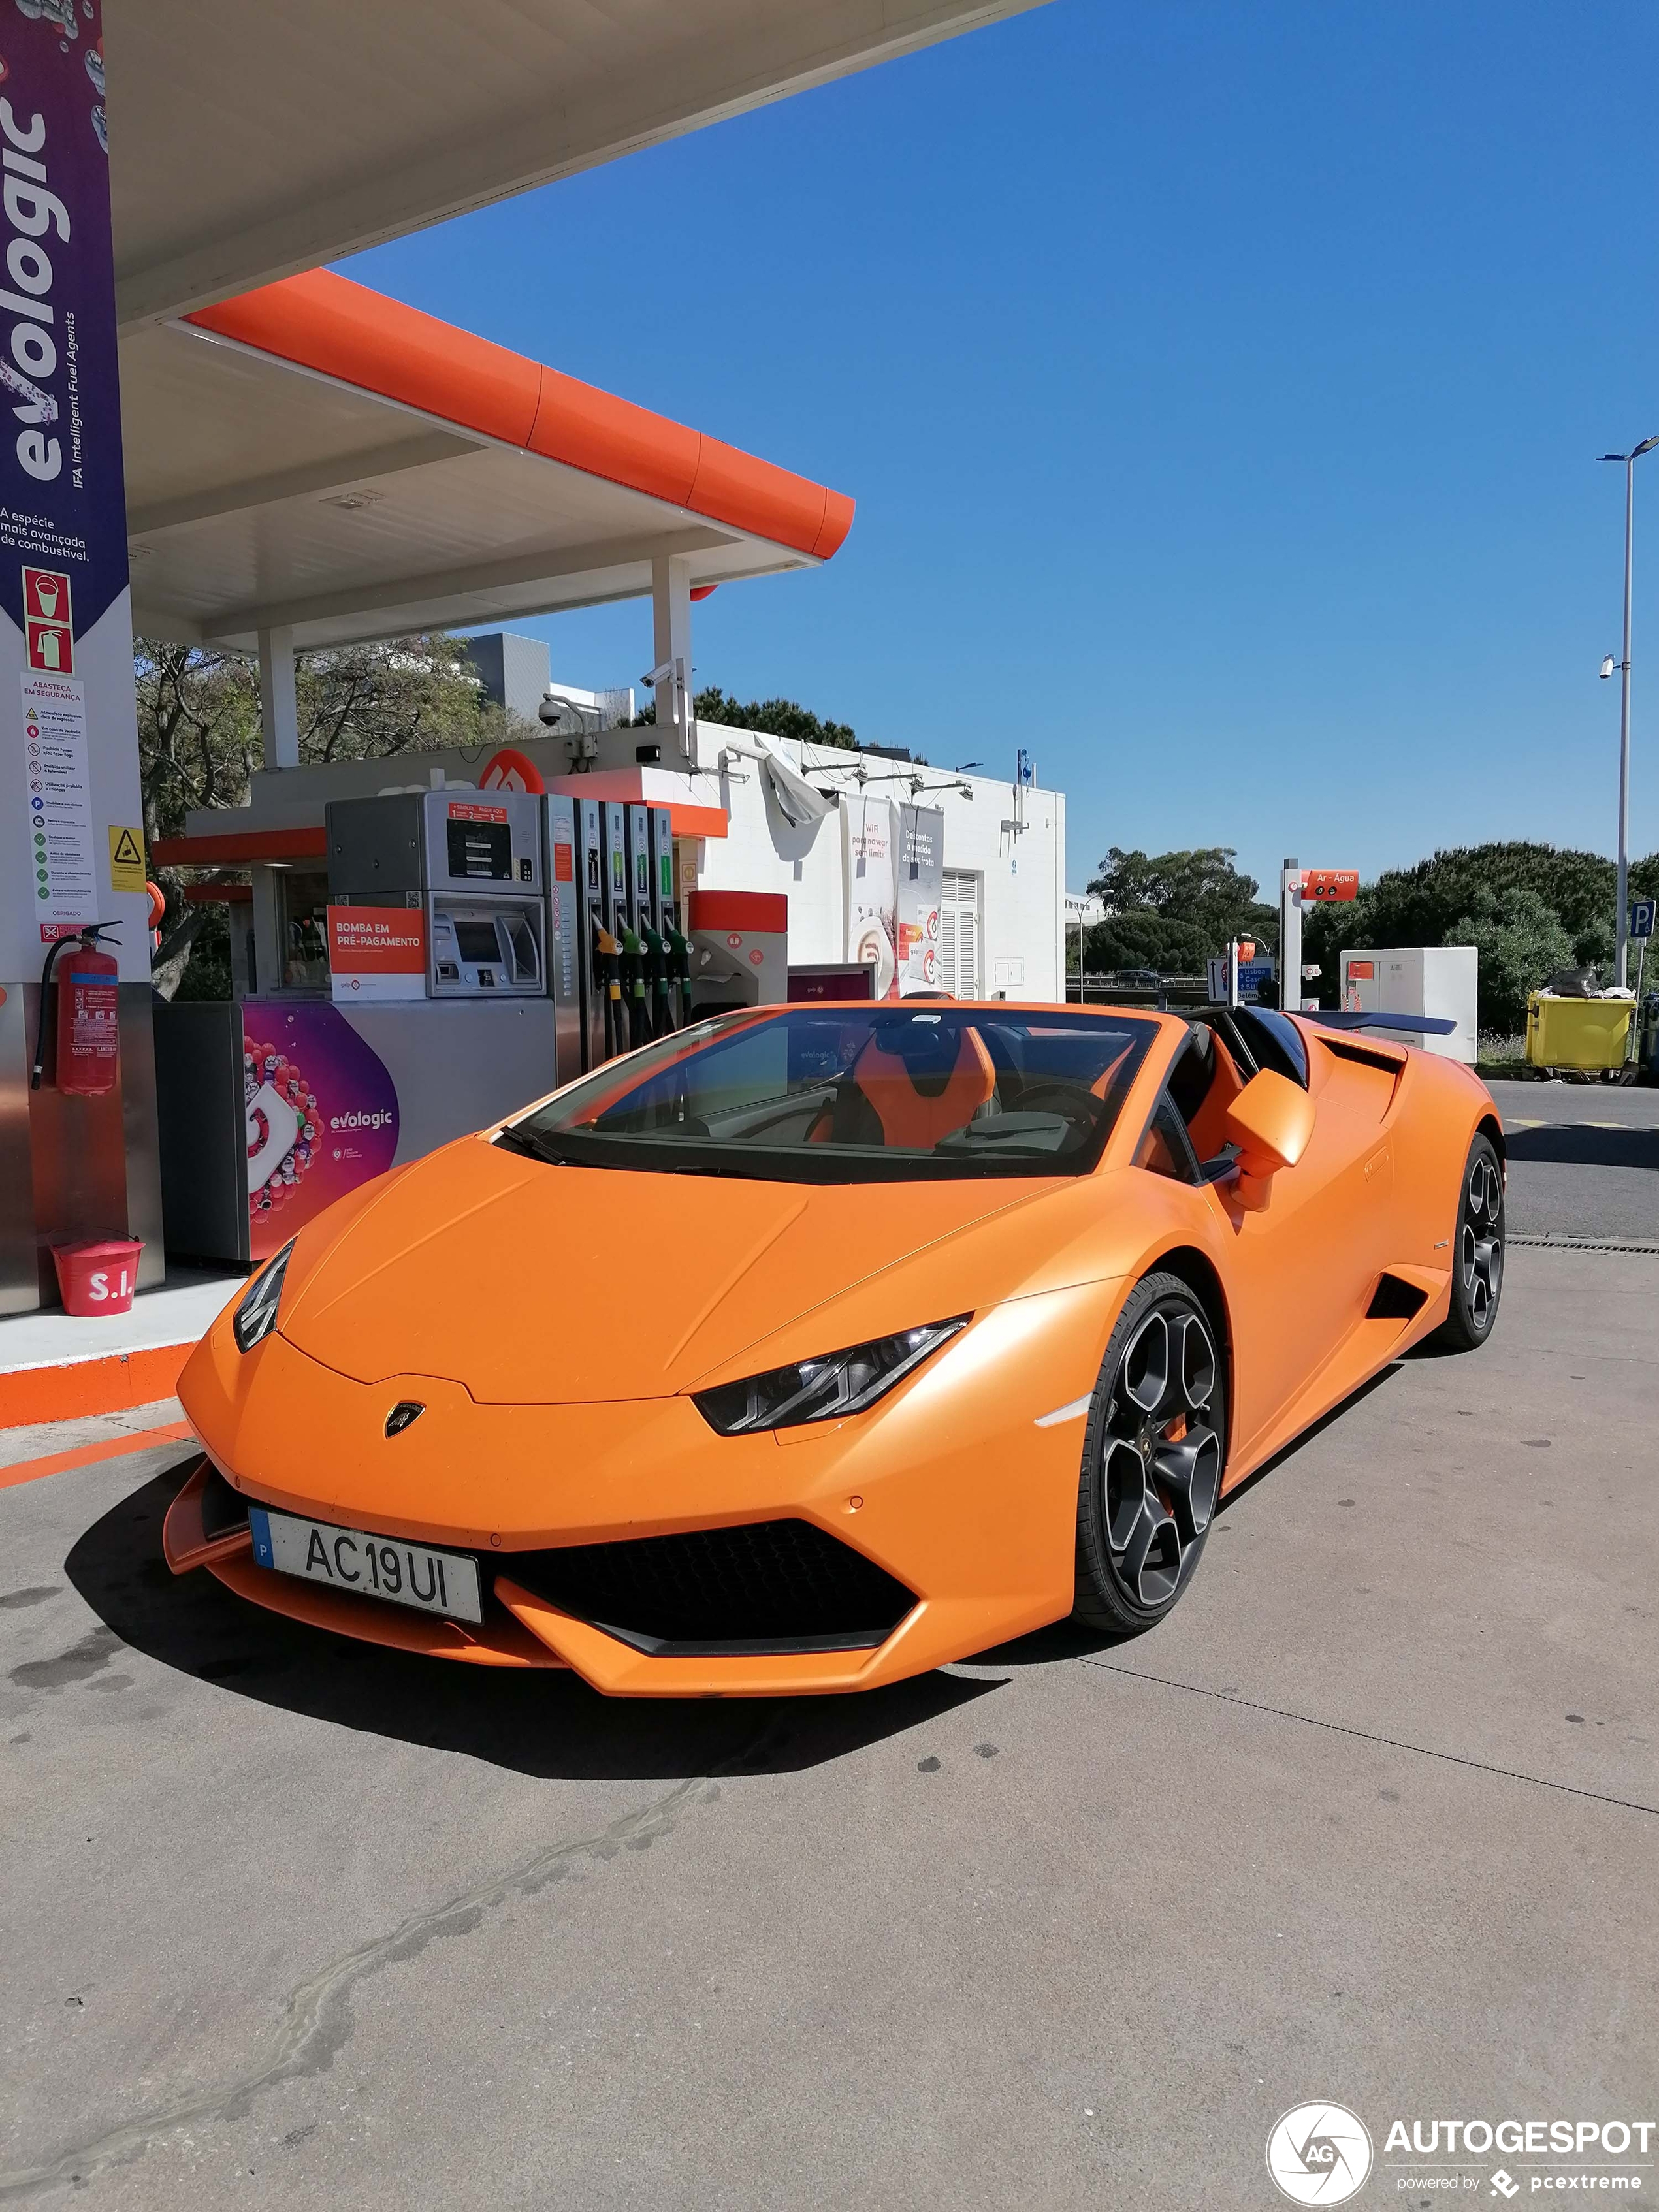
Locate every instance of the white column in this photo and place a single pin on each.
(1290, 938)
(279, 711)
(670, 612)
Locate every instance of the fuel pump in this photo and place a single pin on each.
(87, 1038)
(597, 1016)
(613, 831)
(644, 914)
(661, 928)
(560, 872)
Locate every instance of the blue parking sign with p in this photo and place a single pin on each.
(1641, 916)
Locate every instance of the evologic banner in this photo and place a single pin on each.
(68, 740)
(866, 826)
(921, 889)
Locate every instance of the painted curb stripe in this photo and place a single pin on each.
(32, 1470)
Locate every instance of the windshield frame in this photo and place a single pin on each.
(535, 1134)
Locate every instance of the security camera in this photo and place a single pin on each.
(1608, 665)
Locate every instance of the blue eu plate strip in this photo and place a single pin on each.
(260, 1522)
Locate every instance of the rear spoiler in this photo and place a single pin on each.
(1408, 1024)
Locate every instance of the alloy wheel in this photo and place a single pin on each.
(1161, 1452)
(1481, 1239)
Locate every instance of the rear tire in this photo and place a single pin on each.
(1477, 1252)
(1153, 1456)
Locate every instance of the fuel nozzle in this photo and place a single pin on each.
(656, 973)
(632, 966)
(679, 963)
(607, 954)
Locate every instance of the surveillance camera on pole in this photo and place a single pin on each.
(675, 691)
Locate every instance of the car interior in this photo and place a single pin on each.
(1184, 1137)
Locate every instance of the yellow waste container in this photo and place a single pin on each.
(1590, 1034)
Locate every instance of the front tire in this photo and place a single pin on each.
(1477, 1252)
(1153, 1455)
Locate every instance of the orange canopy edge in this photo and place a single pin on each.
(325, 323)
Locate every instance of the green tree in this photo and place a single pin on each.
(1521, 943)
(776, 718)
(1490, 895)
(1172, 911)
(1147, 940)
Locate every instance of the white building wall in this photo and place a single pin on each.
(1022, 873)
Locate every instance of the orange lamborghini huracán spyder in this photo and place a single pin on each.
(816, 1347)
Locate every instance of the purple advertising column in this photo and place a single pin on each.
(71, 833)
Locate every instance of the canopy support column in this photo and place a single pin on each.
(671, 610)
(279, 711)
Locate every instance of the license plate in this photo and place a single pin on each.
(369, 1566)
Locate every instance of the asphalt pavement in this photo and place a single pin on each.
(1372, 1817)
(1584, 1161)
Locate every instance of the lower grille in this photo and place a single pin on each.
(774, 1586)
(223, 1510)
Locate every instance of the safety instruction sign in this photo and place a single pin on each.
(126, 859)
(59, 811)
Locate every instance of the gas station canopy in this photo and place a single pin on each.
(253, 142)
(313, 457)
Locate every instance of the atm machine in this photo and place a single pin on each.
(471, 861)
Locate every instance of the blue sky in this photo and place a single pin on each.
(1220, 388)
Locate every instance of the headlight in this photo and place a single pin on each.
(822, 1389)
(256, 1316)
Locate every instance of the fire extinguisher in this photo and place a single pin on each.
(87, 1040)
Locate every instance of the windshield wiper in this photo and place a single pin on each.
(531, 1148)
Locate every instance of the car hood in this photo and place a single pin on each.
(529, 1284)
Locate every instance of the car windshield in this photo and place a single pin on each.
(900, 1092)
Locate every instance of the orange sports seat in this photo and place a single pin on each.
(1208, 1126)
(909, 1119)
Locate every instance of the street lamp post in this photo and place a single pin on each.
(1622, 919)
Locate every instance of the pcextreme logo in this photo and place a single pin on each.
(1319, 2154)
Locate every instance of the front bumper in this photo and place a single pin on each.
(947, 1487)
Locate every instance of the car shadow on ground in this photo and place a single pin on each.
(543, 1723)
(1570, 1144)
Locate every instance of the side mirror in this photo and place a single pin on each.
(1270, 1121)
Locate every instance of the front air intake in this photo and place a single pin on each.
(773, 1586)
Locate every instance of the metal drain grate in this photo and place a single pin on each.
(1586, 1244)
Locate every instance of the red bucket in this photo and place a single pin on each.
(98, 1279)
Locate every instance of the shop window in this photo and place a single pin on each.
(302, 896)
